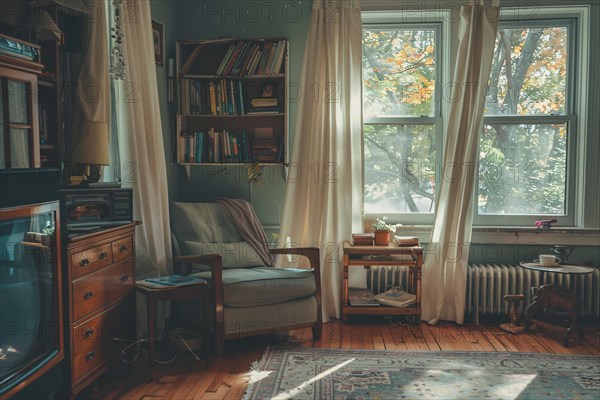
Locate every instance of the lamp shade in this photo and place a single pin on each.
(91, 146)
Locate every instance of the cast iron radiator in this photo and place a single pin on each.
(488, 283)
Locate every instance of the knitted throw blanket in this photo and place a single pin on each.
(249, 227)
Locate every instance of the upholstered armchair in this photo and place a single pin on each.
(249, 297)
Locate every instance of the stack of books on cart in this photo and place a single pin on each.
(363, 239)
(406, 240)
(169, 281)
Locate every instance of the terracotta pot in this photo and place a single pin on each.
(382, 237)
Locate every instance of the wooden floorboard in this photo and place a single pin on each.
(227, 375)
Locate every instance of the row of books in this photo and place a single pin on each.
(226, 147)
(214, 97)
(222, 97)
(253, 58)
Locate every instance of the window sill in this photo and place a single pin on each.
(517, 235)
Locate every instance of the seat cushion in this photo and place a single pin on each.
(250, 287)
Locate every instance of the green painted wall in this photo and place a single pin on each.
(199, 20)
(164, 12)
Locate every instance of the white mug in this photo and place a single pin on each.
(548, 260)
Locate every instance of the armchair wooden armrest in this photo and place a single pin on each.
(312, 253)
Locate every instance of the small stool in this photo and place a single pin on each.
(198, 291)
(513, 313)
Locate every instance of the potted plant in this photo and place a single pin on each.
(383, 231)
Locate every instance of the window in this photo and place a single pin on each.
(534, 134)
(402, 118)
(527, 144)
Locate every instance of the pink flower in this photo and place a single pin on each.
(538, 224)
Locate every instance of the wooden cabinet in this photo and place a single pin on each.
(19, 124)
(31, 105)
(100, 313)
(390, 255)
(232, 102)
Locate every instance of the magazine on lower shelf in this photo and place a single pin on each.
(396, 297)
(362, 298)
(169, 281)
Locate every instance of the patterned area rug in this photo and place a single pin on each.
(302, 373)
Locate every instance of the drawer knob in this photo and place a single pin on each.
(89, 356)
(125, 278)
(84, 262)
(88, 295)
(123, 248)
(103, 255)
(88, 332)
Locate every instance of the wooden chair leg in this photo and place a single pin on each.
(317, 330)
(220, 339)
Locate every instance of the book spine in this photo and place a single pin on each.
(257, 56)
(181, 147)
(192, 139)
(198, 151)
(225, 60)
(241, 98)
(234, 57)
(232, 96)
(271, 58)
(283, 47)
(276, 58)
(213, 100)
(241, 57)
(264, 58)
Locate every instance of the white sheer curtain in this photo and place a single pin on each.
(445, 270)
(141, 149)
(324, 189)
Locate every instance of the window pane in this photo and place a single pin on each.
(19, 148)
(523, 169)
(529, 72)
(398, 72)
(18, 108)
(399, 168)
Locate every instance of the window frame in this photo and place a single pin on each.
(554, 16)
(582, 161)
(439, 20)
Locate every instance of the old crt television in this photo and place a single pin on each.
(92, 208)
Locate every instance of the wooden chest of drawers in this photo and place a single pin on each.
(100, 279)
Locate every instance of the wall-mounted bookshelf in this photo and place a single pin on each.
(232, 102)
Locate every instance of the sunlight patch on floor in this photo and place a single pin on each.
(455, 385)
(291, 394)
(255, 376)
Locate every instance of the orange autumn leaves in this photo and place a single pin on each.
(405, 70)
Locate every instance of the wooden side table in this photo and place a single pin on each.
(197, 291)
(390, 255)
(554, 307)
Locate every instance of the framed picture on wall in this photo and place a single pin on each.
(158, 39)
